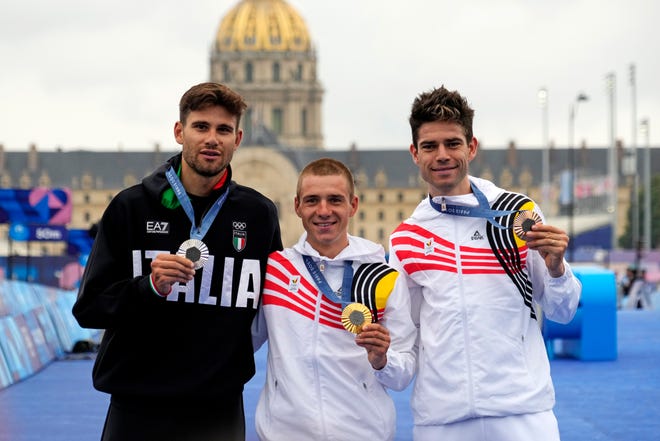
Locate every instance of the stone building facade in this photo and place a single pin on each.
(263, 50)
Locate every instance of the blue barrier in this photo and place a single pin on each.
(5, 373)
(591, 335)
(17, 348)
(36, 327)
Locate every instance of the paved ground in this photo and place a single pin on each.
(613, 400)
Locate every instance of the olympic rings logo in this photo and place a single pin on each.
(239, 225)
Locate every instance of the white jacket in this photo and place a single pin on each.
(475, 291)
(319, 382)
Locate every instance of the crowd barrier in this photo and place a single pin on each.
(591, 335)
(36, 327)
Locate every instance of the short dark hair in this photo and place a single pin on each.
(327, 167)
(441, 105)
(204, 95)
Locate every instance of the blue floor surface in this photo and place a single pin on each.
(612, 400)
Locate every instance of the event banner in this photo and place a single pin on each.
(47, 233)
(40, 205)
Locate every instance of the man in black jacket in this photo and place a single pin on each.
(174, 278)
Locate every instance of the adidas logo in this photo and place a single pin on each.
(477, 236)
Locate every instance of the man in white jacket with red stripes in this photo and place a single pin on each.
(338, 323)
(479, 262)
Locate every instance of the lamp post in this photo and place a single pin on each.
(636, 243)
(610, 85)
(545, 171)
(645, 129)
(572, 112)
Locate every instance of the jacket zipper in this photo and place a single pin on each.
(466, 334)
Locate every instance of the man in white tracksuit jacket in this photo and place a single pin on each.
(479, 261)
(322, 381)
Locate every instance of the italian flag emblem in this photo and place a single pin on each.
(239, 240)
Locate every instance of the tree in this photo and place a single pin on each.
(625, 240)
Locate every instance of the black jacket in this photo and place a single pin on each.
(195, 344)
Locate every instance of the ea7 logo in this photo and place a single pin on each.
(158, 227)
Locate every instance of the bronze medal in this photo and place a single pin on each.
(523, 222)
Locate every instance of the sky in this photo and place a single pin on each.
(98, 75)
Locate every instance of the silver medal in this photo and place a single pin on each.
(194, 250)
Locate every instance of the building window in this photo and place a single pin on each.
(361, 232)
(247, 123)
(299, 72)
(361, 215)
(277, 123)
(25, 181)
(87, 217)
(276, 72)
(86, 198)
(303, 122)
(381, 197)
(225, 72)
(400, 197)
(249, 72)
(44, 180)
(401, 215)
(87, 181)
(381, 215)
(381, 234)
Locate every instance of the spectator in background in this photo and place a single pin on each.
(640, 292)
(625, 283)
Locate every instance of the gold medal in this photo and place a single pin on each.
(523, 222)
(195, 250)
(354, 316)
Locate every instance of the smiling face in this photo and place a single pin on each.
(325, 205)
(443, 155)
(209, 137)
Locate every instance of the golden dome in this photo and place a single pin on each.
(263, 25)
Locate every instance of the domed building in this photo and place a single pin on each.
(264, 51)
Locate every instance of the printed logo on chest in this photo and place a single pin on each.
(239, 235)
(157, 227)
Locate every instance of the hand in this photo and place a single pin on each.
(168, 269)
(375, 338)
(551, 243)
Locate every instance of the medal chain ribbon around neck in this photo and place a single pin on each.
(322, 283)
(482, 211)
(180, 192)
